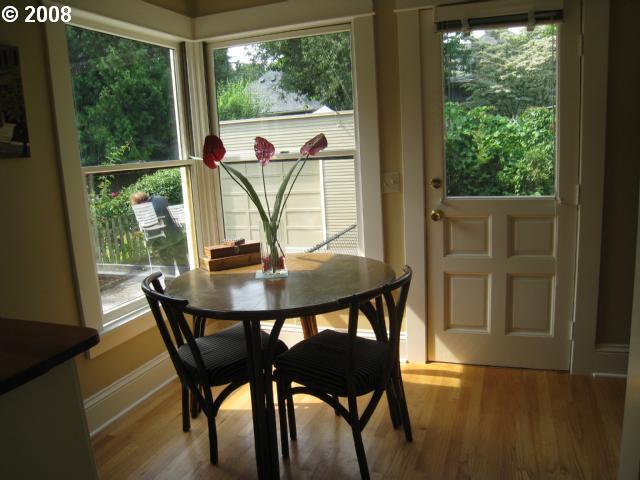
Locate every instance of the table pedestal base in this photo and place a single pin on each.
(309, 326)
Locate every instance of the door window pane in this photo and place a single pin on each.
(138, 218)
(124, 99)
(288, 91)
(500, 111)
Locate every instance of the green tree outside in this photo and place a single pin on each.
(318, 67)
(500, 110)
(236, 102)
(123, 95)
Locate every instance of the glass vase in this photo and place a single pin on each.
(271, 252)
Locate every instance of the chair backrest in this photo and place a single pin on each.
(178, 332)
(145, 215)
(176, 212)
(386, 322)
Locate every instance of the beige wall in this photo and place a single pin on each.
(37, 278)
(621, 176)
(207, 7)
(386, 38)
(199, 8)
(183, 7)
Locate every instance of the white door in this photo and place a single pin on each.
(501, 116)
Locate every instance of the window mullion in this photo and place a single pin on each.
(130, 167)
(205, 183)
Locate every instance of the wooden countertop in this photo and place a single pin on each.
(30, 349)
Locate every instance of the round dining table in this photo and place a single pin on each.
(317, 283)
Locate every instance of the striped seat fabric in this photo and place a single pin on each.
(224, 355)
(321, 362)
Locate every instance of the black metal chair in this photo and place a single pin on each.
(332, 365)
(201, 362)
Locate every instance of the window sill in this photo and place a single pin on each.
(123, 330)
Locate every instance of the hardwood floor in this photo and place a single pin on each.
(468, 422)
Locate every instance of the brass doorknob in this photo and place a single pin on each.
(436, 215)
(436, 183)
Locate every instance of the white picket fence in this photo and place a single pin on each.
(120, 241)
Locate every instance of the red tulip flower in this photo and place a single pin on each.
(264, 150)
(213, 151)
(313, 146)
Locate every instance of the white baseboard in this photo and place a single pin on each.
(110, 403)
(611, 360)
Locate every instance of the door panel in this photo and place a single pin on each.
(500, 268)
(493, 284)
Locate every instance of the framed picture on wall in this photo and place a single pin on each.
(14, 135)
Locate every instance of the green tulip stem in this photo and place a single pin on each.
(247, 187)
(290, 188)
(235, 180)
(271, 238)
(264, 186)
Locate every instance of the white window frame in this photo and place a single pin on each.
(328, 153)
(187, 36)
(74, 174)
(367, 172)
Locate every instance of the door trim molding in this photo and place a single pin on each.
(595, 27)
(413, 181)
(593, 123)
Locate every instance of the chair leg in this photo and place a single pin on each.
(394, 409)
(293, 431)
(335, 410)
(282, 415)
(186, 422)
(404, 411)
(195, 406)
(213, 441)
(357, 438)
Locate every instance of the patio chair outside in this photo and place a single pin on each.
(176, 212)
(150, 224)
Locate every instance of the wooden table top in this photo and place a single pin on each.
(30, 349)
(316, 283)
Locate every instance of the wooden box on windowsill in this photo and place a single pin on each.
(234, 261)
(227, 250)
(226, 256)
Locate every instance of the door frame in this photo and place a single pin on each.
(592, 128)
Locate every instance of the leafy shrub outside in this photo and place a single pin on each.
(489, 154)
(236, 102)
(107, 204)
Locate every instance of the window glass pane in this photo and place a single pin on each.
(124, 99)
(288, 91)
(500, 111)
(139, 226)
(322, 205)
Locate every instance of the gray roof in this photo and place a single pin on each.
(277, 101)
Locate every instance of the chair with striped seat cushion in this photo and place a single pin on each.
(224, 355)
(331, 365)
(322, 360)
(201, 362)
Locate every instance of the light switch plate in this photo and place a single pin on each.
(391, 182)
